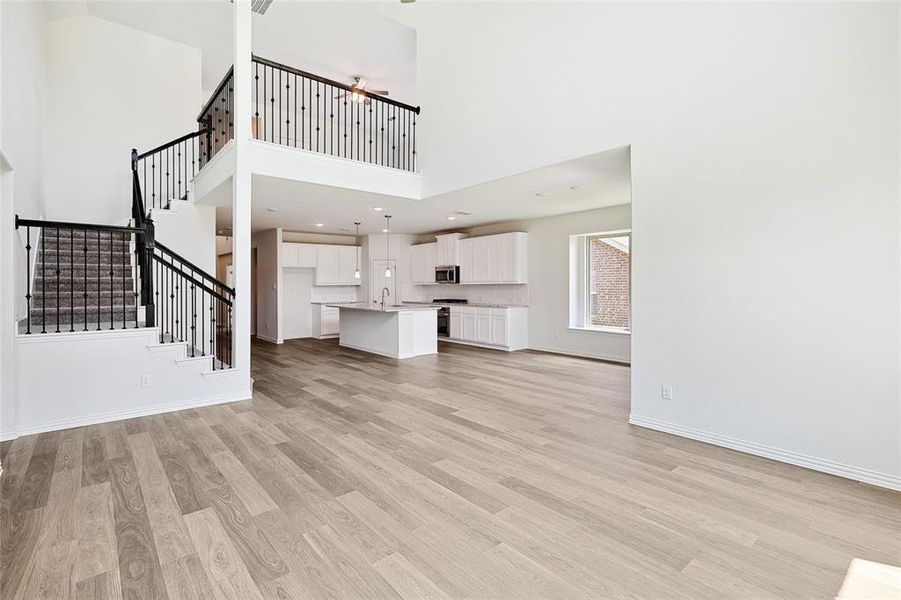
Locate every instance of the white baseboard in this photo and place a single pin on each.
(610, 359)
(106, 417)
(266, 338)
(885, 480)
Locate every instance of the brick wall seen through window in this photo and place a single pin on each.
(609, 284)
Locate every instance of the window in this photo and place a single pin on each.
(600, 288)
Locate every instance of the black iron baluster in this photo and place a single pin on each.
(256, 103)
(279, 106)
(213, 348)
(203, 323)
(133, 268)
(272, 118)
(331, 119)
(112, 302)
(370, 132)
(28, 279)
(160, 283)
(414, 142)
(152, 180)
(84, 276)
(295, 110)
(317, 116)
(71, 280)
(99, 295)
(43, 283)
(124, 289)
(228, 334)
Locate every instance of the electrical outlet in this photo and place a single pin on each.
(145, 381)
(666, 391)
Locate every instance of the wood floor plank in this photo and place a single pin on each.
(470, 474)
(224, 568)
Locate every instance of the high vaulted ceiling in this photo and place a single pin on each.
(332, 39)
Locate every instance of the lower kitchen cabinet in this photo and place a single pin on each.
(325, 321)
(494, 327)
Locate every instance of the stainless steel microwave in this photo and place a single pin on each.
(447, 274)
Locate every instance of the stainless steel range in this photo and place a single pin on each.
(444, 314)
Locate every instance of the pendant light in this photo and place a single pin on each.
(387, 246)
(357, 240)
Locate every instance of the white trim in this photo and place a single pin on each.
(885, 480)
(266, 338)
(625, 362)
(371, 351)
(118, 415)
(68, 336)
(599, 330)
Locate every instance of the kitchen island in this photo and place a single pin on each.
(395, 331)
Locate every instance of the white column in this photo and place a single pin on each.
(241, 185)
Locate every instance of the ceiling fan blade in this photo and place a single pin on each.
(360, 82)
(341, 95)
(378, 92)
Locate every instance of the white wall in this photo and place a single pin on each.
(269, 285)
(190, 230)
(374, 248)
(97, 378)
(764, 136)
(110, 89)
(22, 98)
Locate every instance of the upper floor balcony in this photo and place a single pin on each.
(310, 128)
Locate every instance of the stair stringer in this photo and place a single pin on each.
(75, 379)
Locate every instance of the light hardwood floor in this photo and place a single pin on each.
(471, 474)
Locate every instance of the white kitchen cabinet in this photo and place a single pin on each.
(464, 254)
(483, 325)
(494, 259)
(326, 321)
(447, 250)
(499, 326)
(505, 328)
(467, 323)
(327, 266)
(307, 255)
(290, 254)
(348, 259)
(456, 323)
(423, 259)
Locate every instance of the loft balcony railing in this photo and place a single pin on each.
(301, 110)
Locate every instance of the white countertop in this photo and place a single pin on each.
(389, 308)
(333, 302)
(472, 304)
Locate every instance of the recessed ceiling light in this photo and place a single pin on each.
(320, 224)
(451, 218)
(272, 209)
(542, 194)
(377, 208)
(384, 231)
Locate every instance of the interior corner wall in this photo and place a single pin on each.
(269, 285)
(765, 213)
(110, 88)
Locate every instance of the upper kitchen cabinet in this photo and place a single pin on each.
(423, 260)
(335, 265)
(448, 250)
(302, 256)
(493, 259)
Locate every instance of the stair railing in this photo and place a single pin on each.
(215, 119)
(165, 172)
(192, 306)
(79, 277)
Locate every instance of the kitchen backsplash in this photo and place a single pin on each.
(489, 294)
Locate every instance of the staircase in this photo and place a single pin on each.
(84, 277)
(83, 280)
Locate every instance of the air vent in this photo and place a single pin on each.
(260, 6)
(463, 213)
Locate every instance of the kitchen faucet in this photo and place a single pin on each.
(385, 291)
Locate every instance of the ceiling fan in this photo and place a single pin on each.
(359, 83)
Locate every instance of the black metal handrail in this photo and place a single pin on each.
(209, 278)
(163, 174)
(216, 118)
(73, 263)
(192, 307)
(299, 109)
(333, 83)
